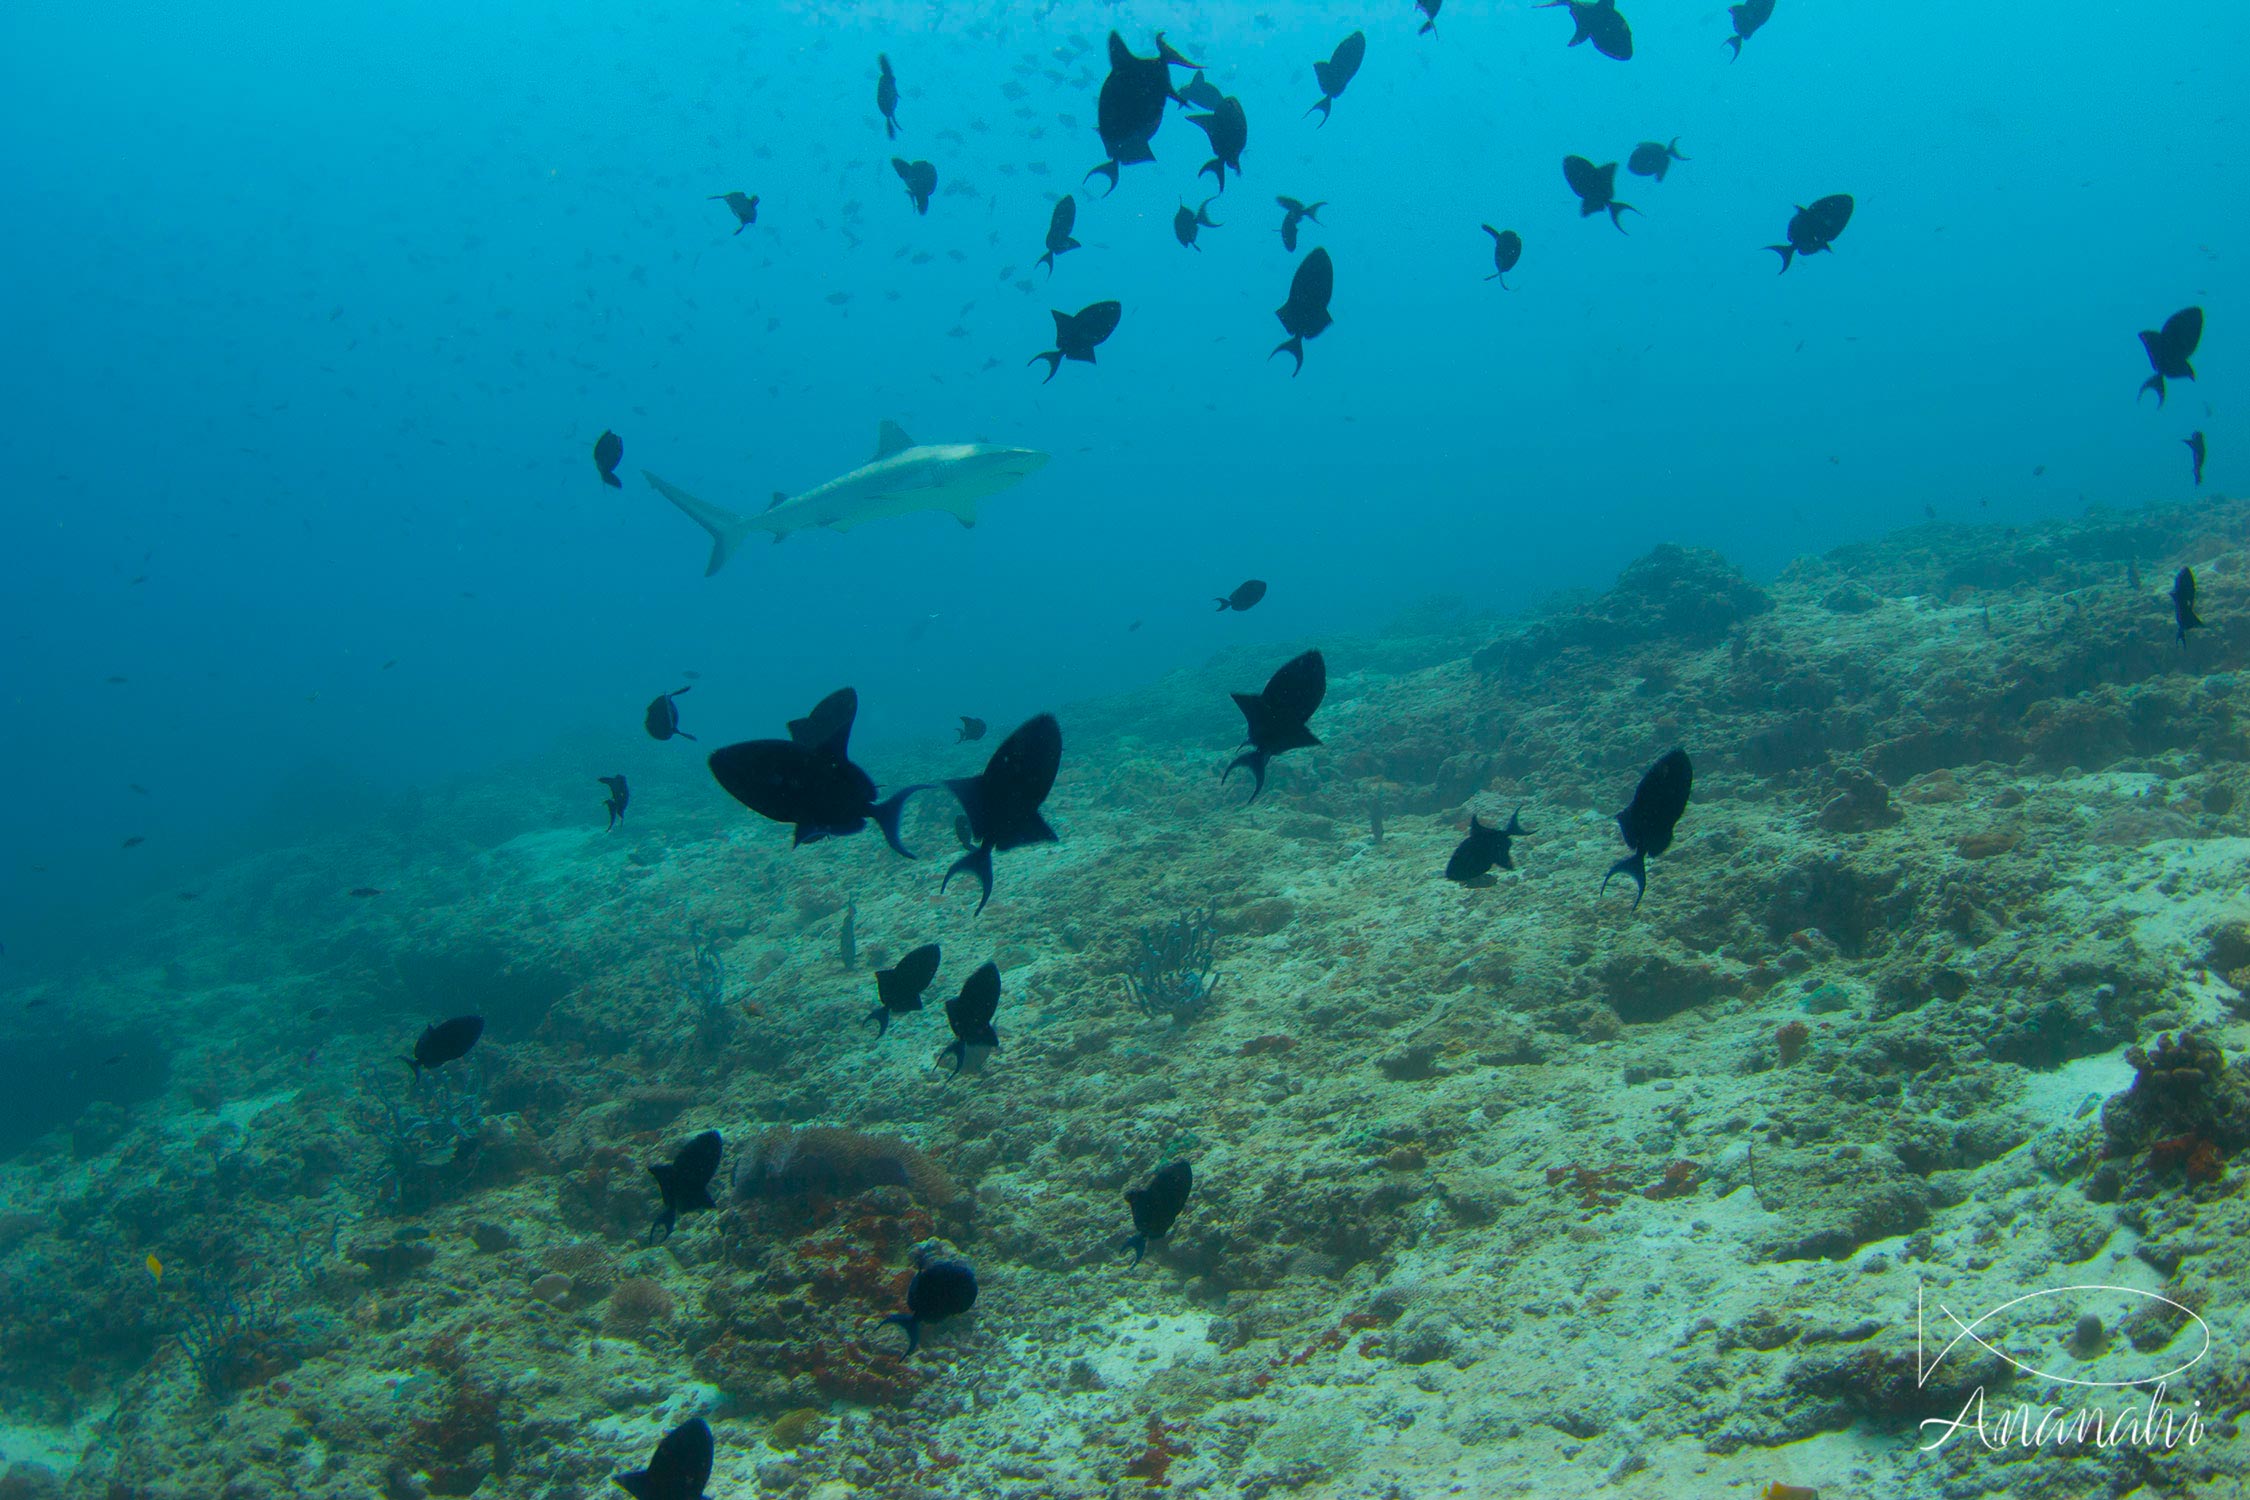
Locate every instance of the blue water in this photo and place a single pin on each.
(313, 315)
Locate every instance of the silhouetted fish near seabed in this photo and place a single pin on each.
(1277, 718)
(1649, 819)
(743, 205)
(1507, 249)
(940, 1290)
(2170, 348)
(920, 179)
(886, 96)
(662, 720)
(1229, 130)
(2195, 448)
(685, 1182)
(1599, 22)
(809, 780)
(1305, 314)
(1596, 188)
(1059, 225)
(1334, 74)
(1294, 213)
(1484, 848)
(1814, 227)
(970, 1015)
(678, 1469)
(1078, 334)
(442, 1042)
(2184, 617)
(1186, 224)
(1002, 801)
(1156, 1206)
(609, 450)
(1747, 18)
(363, 891)
(1654, 158)
(971, 729)
(899, 988)
(619, 796)
(1245, 595)
(847, 937)
(1131, 104)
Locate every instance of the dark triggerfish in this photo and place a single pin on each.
(1747, 18)
(1599, 22)
(1229, 130)
(970, 1015)
(1305, 314)
(2184, 617)
(1475, 856)
(2196, 451)
(1131, 104)
(1814, 227)
(900, 987)
(1002, 801)
(1078, 334)
(809, 780)
(1334, 74)
(678, 1469)
(940, 1290)
(1507, 249)
(1654, 158)
(1277, 719)
(619, 796)
(1059, 225)
(920, 179)
(1157, 1205)
(685, 1182)
(1293, 214)
(886, 96)
(1648, 820)
(2169, 349)
(1596, 188)
(662, 720)
(609, 452)
(443, 1041)
(744, 207)
(1246, 593)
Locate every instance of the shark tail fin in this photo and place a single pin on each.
(727, 529)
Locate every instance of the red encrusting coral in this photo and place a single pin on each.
(1679, 1181)
(1155, 1461)
(2199, 1159)
(1598, 1188)
(1789, 1041)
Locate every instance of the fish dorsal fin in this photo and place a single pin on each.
(890, 438)
(778, 497)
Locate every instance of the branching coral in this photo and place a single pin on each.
(426, 1131)
(235, 1337)
(1170, 974)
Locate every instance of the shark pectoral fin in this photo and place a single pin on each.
(727, 528)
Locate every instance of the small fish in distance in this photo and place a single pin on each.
(2195, 448)
(1814, 227)
(1429, 10)
(1305, 314)
(1507, 249)
(2170, 348)
(678, 1469)
(1747, 18)
(1294, 213)
(662, 720)
(1334, 74)
(1485, 849)
(971, 729)
(1654, 158)
(685, 1182)
(134, 841)
(744, 206)
(1244, 596)
(609, 451)
(2184, 617)
(1229, 130)
(970, 1015)
(442, 1042)
(809, 780)
(886, 96)
(899, 988)
(619, 795)
(1187, 223)
(1596, 188)
(1130, 107)
(1157, 1206)
(1059, 225)
(1078, 334)
(1278, 717)
(363, 891)
(940, 1290)
(1599, 22)
(1648, 820)
(920, 179)
(1002, 801)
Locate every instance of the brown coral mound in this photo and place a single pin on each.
(826, 1162)
(638, 1302)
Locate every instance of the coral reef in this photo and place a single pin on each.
(1169, 972)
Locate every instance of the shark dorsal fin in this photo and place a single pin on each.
(778, 497)
(890, 438)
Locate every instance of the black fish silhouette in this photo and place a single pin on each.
(1814, 227)
(1507, 249)
(1648, 820)
(1292, 214)
(899, 988)
(809, 780)
(1747, 18)
(886, 96)
(2170, 348)
(1305, 314)
(1078, 334)
(1059, 225)
(971, 729)
(1278, 718)
(745, 206)
(1186, 224)
(609, 451)
(1244, 595)
(619, 795)
(1476, 856)
(1157, 1205)
(678, 1469)
(1429, 10)
(2184, 617)
(1654, 158)
(1599, 22)
(920, 179)
(1202, 93)
(1131, 104)
(940, 1290)
(2195, 448)
(662, 721)
(1335, 73)
(970, 1015)
(1229, 130)
(685, 1182)
(443, 1041)
(1596, 188)
(1002, 801)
